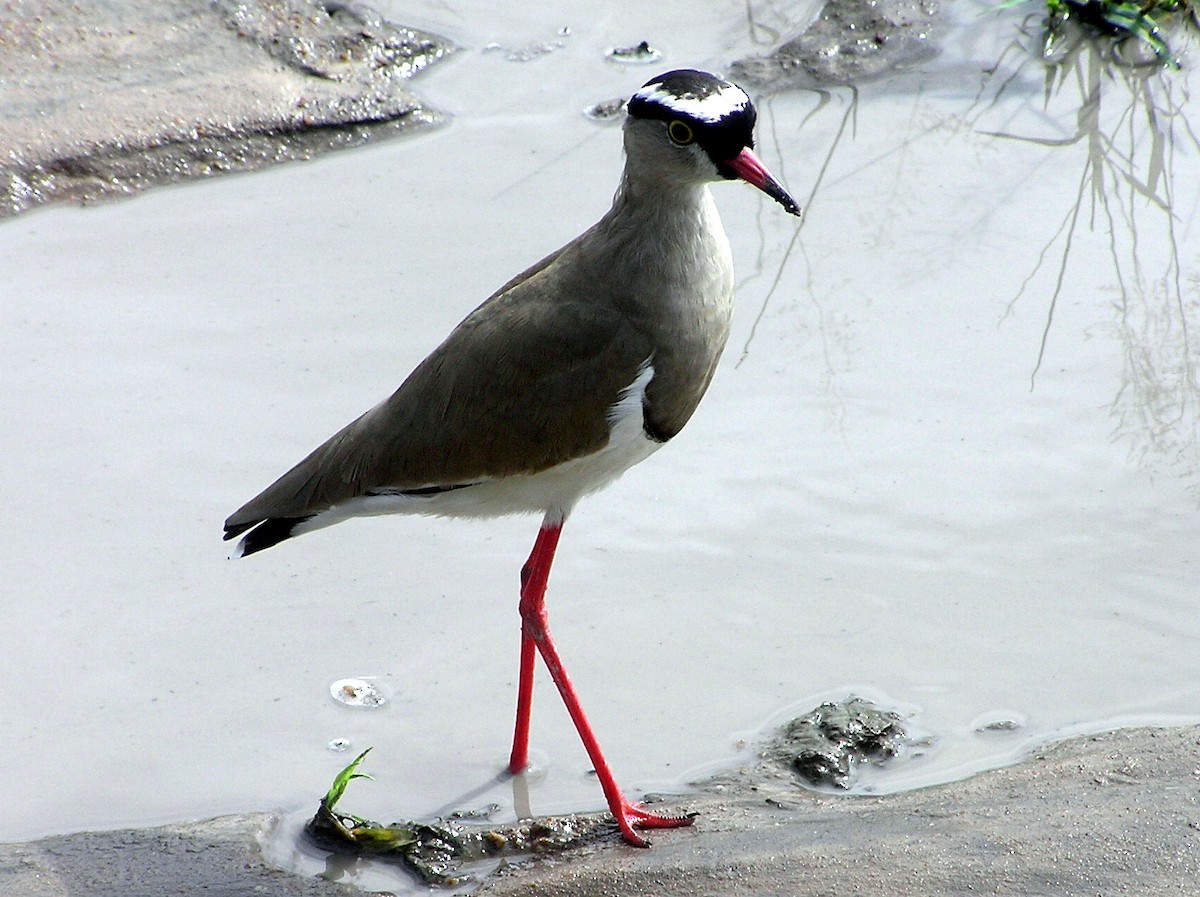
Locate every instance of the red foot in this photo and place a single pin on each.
(637, 815)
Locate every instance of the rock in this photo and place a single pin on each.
(107, 98)
(824, 746)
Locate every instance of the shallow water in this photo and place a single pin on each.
(924, 473)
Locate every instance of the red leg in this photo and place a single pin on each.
(536, 633)
(519, 758)
(533, 578)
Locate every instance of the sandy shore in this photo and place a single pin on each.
(1117, 813)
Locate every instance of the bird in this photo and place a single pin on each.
(576, 369)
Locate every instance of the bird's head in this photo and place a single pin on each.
(693, 126)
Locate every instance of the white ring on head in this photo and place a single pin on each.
(711, 109)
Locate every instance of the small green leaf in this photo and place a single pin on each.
(344, 778)
(382, 838)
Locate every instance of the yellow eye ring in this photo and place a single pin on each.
(680, 133)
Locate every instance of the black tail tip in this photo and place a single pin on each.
(262, 534)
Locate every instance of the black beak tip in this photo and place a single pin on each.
(784, 198)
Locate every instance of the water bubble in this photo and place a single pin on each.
(360, 693)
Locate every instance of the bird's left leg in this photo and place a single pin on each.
(534, 575)
(536, 632)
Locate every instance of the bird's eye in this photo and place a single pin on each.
(680, 133)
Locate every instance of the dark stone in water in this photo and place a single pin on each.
(824, 746)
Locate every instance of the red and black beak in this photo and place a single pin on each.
(750, 169)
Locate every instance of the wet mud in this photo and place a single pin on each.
(822, 748)
(1102, 814)
(104, 100)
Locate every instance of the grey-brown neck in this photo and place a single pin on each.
(667, 265)
(663, 229)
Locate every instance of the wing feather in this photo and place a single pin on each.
(524, 383)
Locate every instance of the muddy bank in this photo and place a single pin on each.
(108, 98)
(1106, 814)
(1109, 814)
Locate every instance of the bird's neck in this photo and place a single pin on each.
(669, 229)
(665, 260)
(641, 199)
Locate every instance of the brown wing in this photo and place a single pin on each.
(524, 383)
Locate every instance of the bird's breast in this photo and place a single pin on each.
(690, 319)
